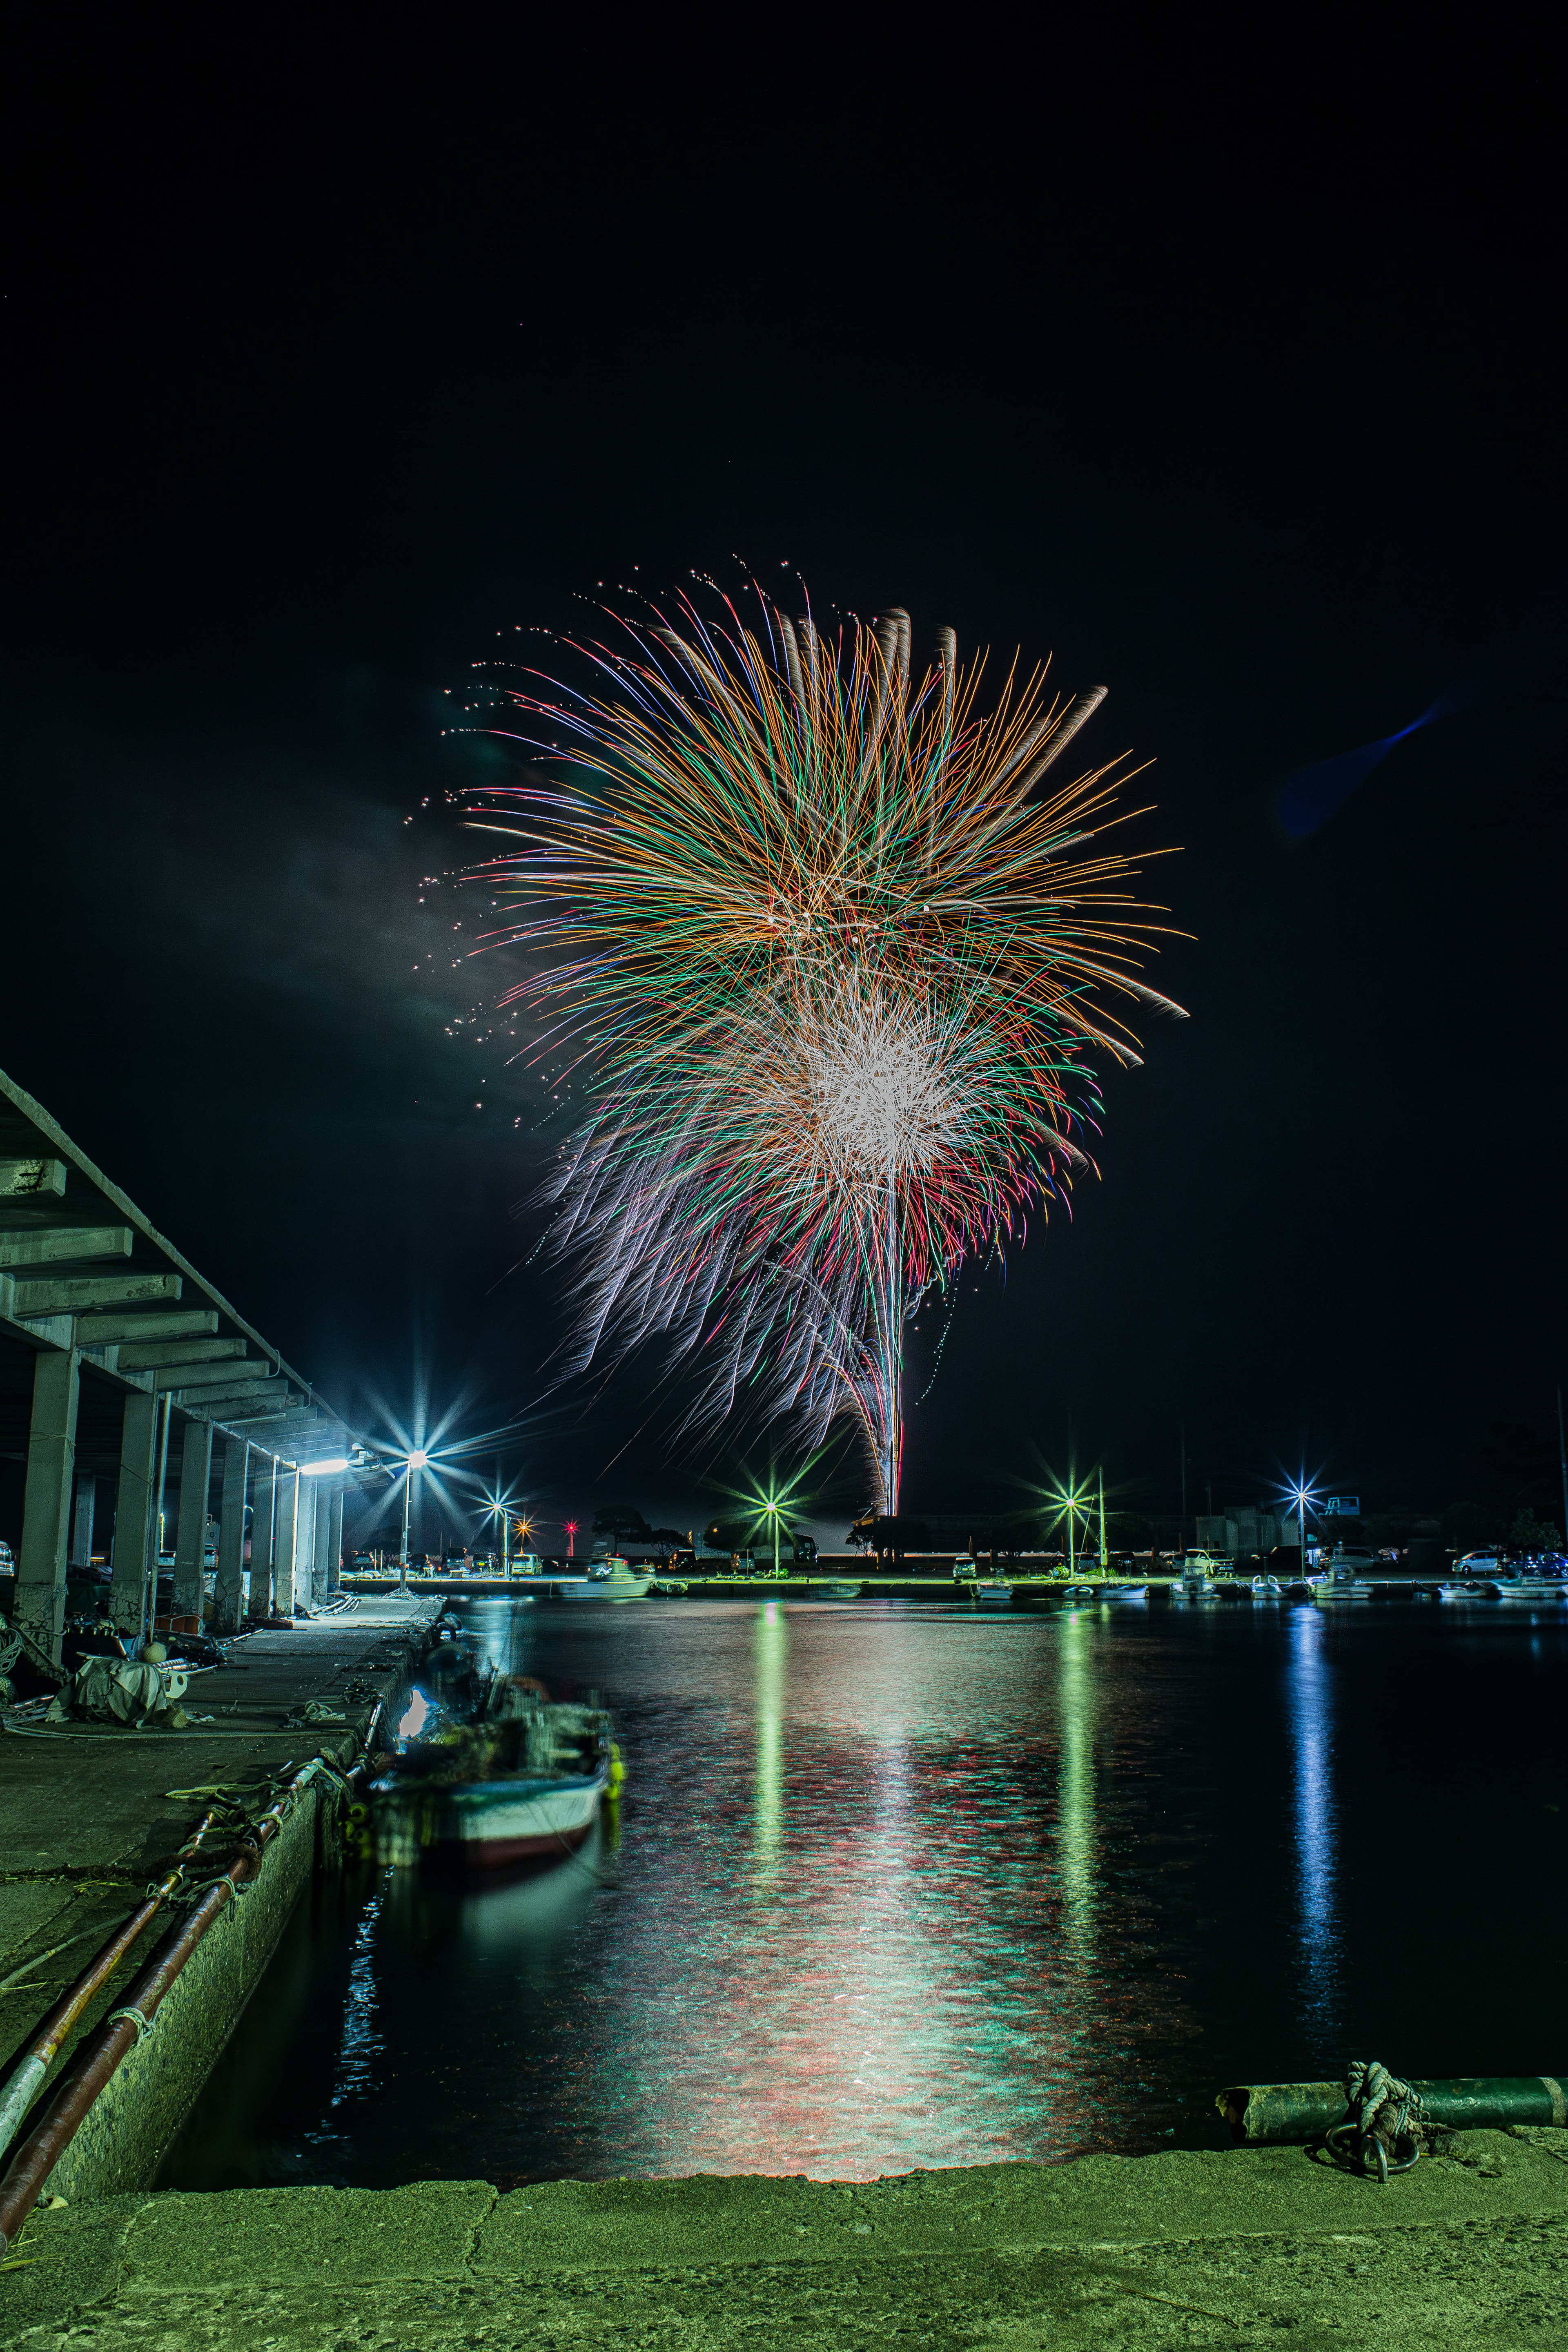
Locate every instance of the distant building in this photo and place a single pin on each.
(1246, 1529)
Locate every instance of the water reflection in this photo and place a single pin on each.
(768, 1815)
(1311, 1733)
(907, 1886)
(1076, 1810)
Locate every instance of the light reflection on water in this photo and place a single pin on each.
(899, 1886)
(1312, 1734)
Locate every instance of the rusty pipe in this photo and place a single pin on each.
(35, 2061)
(101, 2056)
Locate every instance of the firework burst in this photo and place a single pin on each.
(835, 951)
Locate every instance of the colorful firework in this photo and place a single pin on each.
(834, 953)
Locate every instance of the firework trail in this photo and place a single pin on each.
(835, 951)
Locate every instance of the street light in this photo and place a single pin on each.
(770, 1510)
(416, 1460)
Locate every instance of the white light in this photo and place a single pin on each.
(418, 1458)
(319, 1469)
(413, 1722)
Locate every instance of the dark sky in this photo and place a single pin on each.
(331, 366)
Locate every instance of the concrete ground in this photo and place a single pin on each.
(86, 1819)
(1259, 2247)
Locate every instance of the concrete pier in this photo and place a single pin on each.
(87, 1820)
(1253, 2248)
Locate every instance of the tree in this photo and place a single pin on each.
(621, 1519)
(1529, 1534)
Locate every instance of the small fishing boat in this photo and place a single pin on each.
(1267, 1588)
(1540, 1582)
(836, 1588)
(607, 1580)
(1123, 1592)
(994, 1592)
(521, 1781)
(1080, 1596)
(1468, 1588)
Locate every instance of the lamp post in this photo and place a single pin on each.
(416, 1461)
(570, 1527)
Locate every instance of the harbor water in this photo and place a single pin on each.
(895, 1885)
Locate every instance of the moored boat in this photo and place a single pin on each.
(521, 1782)
(836, 1588)
(607, 1580)
(994, 1593)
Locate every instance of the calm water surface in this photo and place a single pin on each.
(895, 1885)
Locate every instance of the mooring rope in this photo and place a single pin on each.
(1385, 2119)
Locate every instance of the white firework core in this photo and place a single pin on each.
(882, 1102)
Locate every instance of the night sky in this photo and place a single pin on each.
(330, 370)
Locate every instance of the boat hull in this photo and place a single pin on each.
(491, 1824)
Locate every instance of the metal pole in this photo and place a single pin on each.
(1562, 1459)
(1102, 1522)
(775, 1511)
(402, 1562)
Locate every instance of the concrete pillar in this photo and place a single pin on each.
(231, 1536)
(133, 1510)
(190, 1528)
(323, 1549)
(81, 1520)
(284, 1538)
(305, 1541)
(335, 1544)
(261, 1526)
(40, 1601)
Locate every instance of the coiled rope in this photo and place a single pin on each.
(1383, 2128)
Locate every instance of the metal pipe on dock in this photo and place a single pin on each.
(1265, 2115)
(102, 2054)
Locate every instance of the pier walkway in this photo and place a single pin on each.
(86, 1821)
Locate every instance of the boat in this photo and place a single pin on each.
(669, 1587)
(1467, 1588)
(1267, 1588)
(1080, 1596)
(607, 1580)
(994, 1593)
(521, 1780)
(836, 1588)
(1541, 1581)
(1123, 1592)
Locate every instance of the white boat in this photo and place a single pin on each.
(996, 1595)
(524, 1781)
(836, 1588)
(1123, 1592)
(1267, 1588)
(1540, 1582)
(607, 1580)
(1467, 1589)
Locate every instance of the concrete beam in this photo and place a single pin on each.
(284, 1540)
(40, 1601)
(191, 1529)
(146, 1355)
(335, 1540)
(231, 1537)
(253, 1396)
(109, 1330)
(133, 1510)
(82, 1521)
(32, 1179)
(262, 1516)
(60, 1245)
(230, 1372)
(70, 1294)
